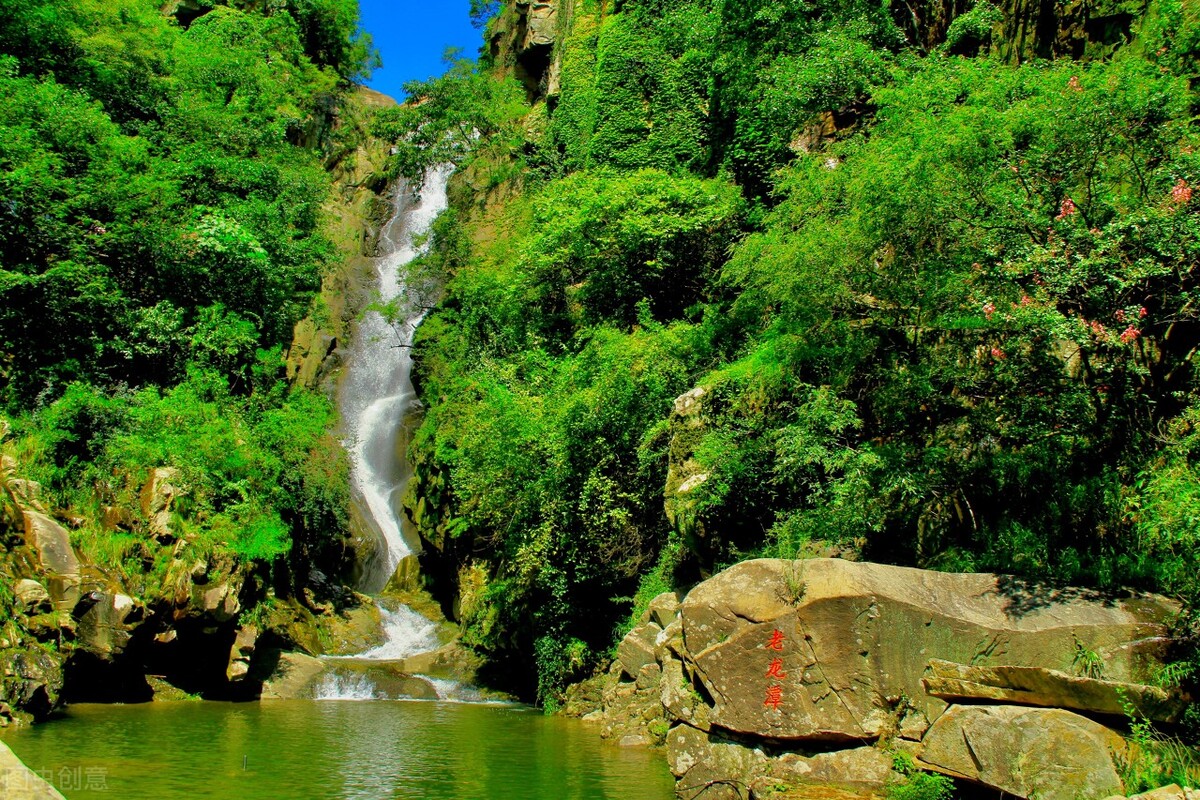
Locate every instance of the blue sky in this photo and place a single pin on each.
(412, 35)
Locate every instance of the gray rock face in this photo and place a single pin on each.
(541, 23)
(1046, 753)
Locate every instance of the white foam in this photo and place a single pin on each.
(377, 392)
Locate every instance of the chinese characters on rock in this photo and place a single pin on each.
(775, 672)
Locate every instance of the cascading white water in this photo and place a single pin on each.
(337, 686)
(406, 633)
(377, 392)
(376, 396)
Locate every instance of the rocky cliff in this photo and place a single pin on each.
(777, 674)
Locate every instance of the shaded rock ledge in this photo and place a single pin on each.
(822, 672)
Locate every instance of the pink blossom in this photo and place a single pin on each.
(1142, 312)
(1026, 300)
(1130, 334)
(1074, 84)
(1067, 208)
(1097, 328)
(998, 354)
(1120, 315)
(1182, 193)
(989, 309)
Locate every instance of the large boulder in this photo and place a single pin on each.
(826, 650)
(1045, 753)
(662, 610)
(19, 782)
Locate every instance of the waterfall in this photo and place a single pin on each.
(377, 393)
(376, 398)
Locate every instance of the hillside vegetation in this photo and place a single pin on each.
(934, 277)
(163, 225)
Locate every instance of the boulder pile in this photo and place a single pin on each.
(830, 672)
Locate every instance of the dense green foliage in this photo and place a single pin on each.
(160, 234)
(942, 307)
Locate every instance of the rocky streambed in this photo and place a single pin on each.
(778, 676)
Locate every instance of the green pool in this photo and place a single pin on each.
(306, 750)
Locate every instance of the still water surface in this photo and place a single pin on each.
(305, 750)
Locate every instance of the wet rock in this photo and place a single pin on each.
(843, 641)
(1046, 753)
(354, 630)
(406, 577)
(292, 677)
(386, 678)
(18, 782)
(451, 661)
